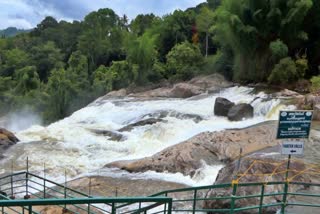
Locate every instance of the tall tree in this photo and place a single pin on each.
(249, 26)
(204, 22)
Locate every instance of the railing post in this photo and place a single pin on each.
(30, 209)
(285, 192)
(65, 187)
(194, 201)
(233, 196)
(27, 179)
(170, 206)
(165, 205)
(44, 180)
(11, 181)
(261, 198)
(113, 209)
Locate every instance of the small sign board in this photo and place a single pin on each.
(294, 124)
(292, 148)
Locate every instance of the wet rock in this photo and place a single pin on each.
(162, 114)
(118, 93)
(257, 166)
(114, 136)
(7, 139)
(222, 106)
(212, 83)
(287, 93)
(145, 122)
(210, 147)
(185, 90)
(240, 111)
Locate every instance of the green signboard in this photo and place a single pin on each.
(294, 124)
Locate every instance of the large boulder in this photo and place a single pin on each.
(212, 83)
(7, 139)
(185, 90)
(256, 169)
(210, 147)
(222, 106)
(240, 111)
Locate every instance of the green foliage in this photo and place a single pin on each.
(284, 72)
(315, 84)
(248, 28)
(27, 79)
(184, 60)
(103, 80)
(278, 49)
(61, 91)
(141, 52)
(141, 23)
(46, 57)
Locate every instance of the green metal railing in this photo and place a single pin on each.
(24, 192)
(195, 195)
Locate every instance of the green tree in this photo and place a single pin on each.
(184, 60)
(46, 57)
(141, 23)
(61, 91)
(13, 59)
(103, 80)
(204, 22)
(142, 52)
(27, 79)
(284, 72)
(101, 39)
(249, 27)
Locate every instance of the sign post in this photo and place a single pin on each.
(292, 125)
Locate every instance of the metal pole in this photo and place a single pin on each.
(261, 198)
(44, 180)
(65, 187)
(27, 177)
(11, 180)
(284, 199)
(89, 194)
(194, 201)
(233, 197)
(113, 209)
(30, 209)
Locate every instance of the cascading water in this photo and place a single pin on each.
(70, 143)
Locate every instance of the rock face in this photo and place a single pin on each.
(114, 136)
(198, 85)
(118, 93)
(145, 122)
(222, 106)
(260, 166)
(7, 139)
(185, 90)
(240, 111)
(211, 147)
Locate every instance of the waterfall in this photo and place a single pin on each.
(71, 144)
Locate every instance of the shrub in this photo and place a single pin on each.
(315, 84)
(284, 72)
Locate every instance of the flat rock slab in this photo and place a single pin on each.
(212, 147)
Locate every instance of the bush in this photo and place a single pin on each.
(284, 72)
(315, 84)
(183, 60)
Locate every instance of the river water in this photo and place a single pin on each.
(70, 145)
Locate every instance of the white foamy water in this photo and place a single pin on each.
(69, 143)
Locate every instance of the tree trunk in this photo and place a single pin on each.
(207, 43)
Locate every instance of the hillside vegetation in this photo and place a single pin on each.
(60, 67)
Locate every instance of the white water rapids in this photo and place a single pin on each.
(69, 144)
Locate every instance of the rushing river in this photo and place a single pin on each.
(70, 144)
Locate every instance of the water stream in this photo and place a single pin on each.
(70, 144)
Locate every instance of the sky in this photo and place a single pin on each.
(26, 14)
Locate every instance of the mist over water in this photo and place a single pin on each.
(70, 143)
(20, 120)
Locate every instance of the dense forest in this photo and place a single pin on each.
(59, 67)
